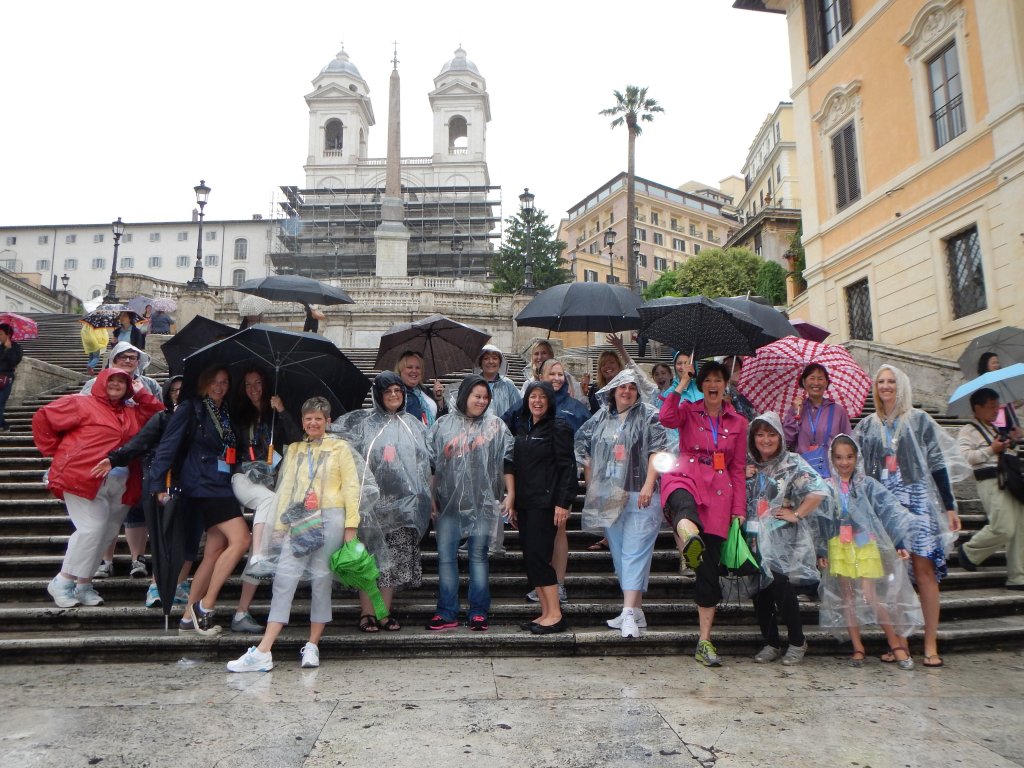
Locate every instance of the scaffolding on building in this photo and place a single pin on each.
(326, 233)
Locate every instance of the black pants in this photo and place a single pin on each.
(537, 537)
(707, 589)
(779, 595)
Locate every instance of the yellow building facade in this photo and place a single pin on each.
(909, 121)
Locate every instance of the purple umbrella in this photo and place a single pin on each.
(810, 331)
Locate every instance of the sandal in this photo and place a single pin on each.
(368, 623)
(857, 659)
(889, 657)
(598, 546)
(935, 664)
(389, 624)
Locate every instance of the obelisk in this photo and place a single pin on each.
(392, 236)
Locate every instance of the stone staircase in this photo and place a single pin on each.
(977, 609)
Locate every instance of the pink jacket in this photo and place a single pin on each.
(720, 494)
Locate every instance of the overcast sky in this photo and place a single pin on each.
(119, 108)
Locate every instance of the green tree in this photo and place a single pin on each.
(796, 246)
(771, 282)
(631, 108)
(509, 265)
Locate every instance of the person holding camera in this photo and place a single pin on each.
(982, 444)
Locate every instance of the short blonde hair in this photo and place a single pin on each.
(405, 356)
(317, 405)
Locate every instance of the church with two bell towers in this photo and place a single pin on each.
(394, 216)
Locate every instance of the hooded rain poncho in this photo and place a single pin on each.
(123, 346)
(470, 457)
(865, 582)
(784, 480)
(394, 446)
(617, 448)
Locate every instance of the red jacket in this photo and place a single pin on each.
(720, 494)
(80, 430)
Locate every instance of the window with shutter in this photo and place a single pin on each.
(827, 22)
(844, 165)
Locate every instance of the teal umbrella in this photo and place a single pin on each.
(356, 567)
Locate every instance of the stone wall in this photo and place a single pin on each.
(35, 377)
(933, 378)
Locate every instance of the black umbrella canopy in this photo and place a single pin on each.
(199, 332)
(774, 325)
(299, 366)
(593, 307)
(302, 290)
(1006, 342)
(446, 345)
(699, 325)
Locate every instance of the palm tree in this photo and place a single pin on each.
(631, 108)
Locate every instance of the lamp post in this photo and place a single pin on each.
(197, 283)
(526, 207)
(117, 228)
(64, 302)
(636, 266)
(609, 241)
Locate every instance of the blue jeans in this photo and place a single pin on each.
(5, 393)
(447, 532)
(94, 360)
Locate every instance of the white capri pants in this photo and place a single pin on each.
(314, 567)
(96, 522)
(253, 496)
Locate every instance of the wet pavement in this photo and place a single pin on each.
(522, 712)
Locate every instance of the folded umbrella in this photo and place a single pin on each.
(1007, 382)
(446, 345)
(591, 307)
(735, 555)
(167, 534)
(303, 365)
(355, 567)
(23, 328)
(699, 325)
(771, 380)
(198, 333)
(1006, 342)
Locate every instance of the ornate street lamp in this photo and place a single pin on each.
(117, 228)
(197, 283)
(526, 207)
(609, 241)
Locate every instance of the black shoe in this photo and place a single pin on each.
(527, 626)
(965, 561)
(559, 626)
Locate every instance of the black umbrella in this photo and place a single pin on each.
(167, 534)
(593, 307)
(302, 290)
(1006, 342)
(774, 324)
(198, 333)
(446, 345)
(699, 325)
(304, 365)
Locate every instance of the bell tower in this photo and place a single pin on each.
(462, 109)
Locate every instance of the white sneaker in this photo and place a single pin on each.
(767, 655)
(63, 592)
(87, 595)
(794, 654)
(138, 570)
(253, 660)
(638, 616)
(310, 656)
(532, 596)
(105, 570)
(629, 625)
(563, 596)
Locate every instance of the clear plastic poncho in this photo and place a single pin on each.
(902, 453)
(785, 480)
(865, 583)
(394, 447)
(617, 448)
(468, 456)
(322, 488)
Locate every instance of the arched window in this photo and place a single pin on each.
(362, 143)
(241, 249)
(238, 277)
(334, 133)
(96, 292)
(458, 133)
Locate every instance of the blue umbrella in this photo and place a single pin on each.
(1007, 382)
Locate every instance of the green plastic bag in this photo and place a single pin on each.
(355, 567)
(736, 554)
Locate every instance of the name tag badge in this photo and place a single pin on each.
(718, 460)
(891, 463)
(620, 452)
(762, 507)
(229, 455)
(884, 474)
(275, 459)
(223, 466)
(753, 527)
(846, 534)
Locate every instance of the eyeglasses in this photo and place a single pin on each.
(126, 358)
(393, 391)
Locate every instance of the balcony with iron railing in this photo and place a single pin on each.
(949, 121)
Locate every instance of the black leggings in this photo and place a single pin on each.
(779, 595)
(537, 538)
(707, 591)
